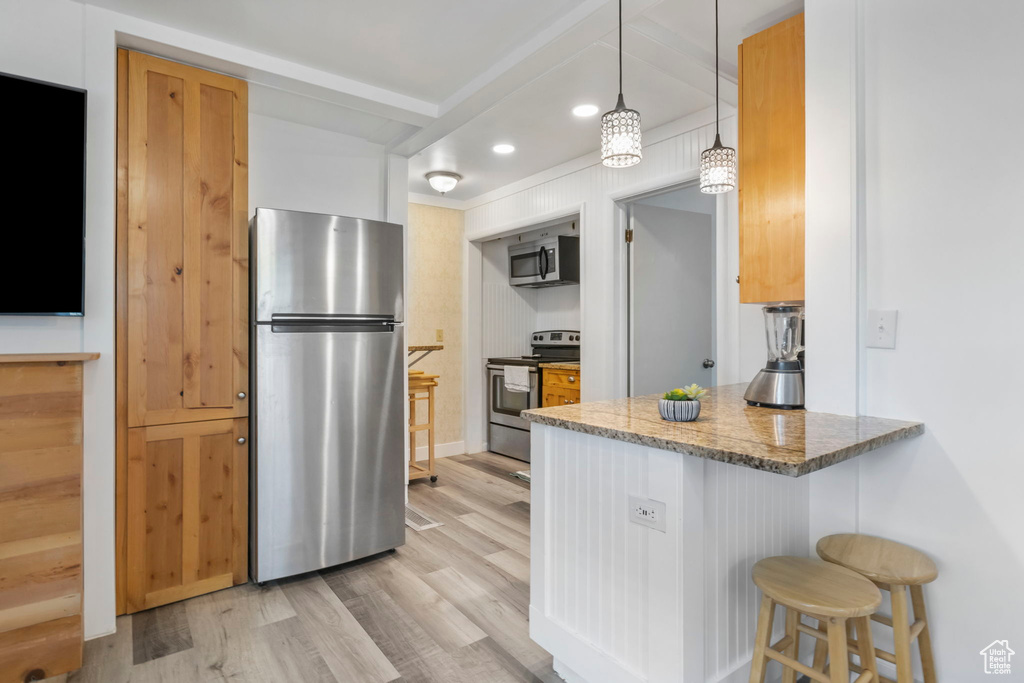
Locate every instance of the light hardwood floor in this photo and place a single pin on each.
(450, 605)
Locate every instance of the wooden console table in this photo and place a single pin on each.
(40, 514)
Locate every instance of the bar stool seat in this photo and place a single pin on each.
(900, 570)
(879, 559)
(837, 597)
(816, 587)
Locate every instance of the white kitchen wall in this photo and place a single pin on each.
(298, 167)
(940, 184)
(671, 157)
(75, 44)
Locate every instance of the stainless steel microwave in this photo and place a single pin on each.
(548, 262)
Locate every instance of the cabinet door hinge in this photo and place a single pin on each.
(629, 236)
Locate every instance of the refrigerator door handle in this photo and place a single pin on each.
(331, 319)
(296, 328)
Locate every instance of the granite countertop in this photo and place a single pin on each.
(560, 366)
(790, 442)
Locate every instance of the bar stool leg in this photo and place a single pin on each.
(820, 648)
(838, 653)
(924, 639)
(866, 647)
(764, 633)
(901, 634)
(793, 651)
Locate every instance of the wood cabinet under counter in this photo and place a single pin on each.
(560, 384)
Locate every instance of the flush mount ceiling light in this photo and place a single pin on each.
(584, 110)
(504, 148)
(718, 164)
(620, 127)
(443, 181)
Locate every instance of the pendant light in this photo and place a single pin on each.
(620, 127)
(718, 164)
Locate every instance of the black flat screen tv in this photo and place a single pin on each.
(42, 196)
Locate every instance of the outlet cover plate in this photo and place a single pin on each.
(881, 332)
(647, 512)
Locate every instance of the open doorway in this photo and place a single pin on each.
(672, 275)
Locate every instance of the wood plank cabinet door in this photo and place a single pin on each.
(771, 164)
(187, 246)
(187, 510)
(553, 396)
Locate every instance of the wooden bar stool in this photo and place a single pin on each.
(421, 388)
(896, 568)
(827, 592)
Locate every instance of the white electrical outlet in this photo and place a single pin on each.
(881, 332)
(647, 512)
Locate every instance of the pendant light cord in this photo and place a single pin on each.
(717, 100)
(620, 47)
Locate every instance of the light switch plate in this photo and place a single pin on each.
(440, 335)
(647, 512)
(881, 332)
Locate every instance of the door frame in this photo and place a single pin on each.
(624, 224)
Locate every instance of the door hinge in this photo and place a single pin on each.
(629, 236)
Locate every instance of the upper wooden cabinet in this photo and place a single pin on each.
(771, 164)
(187, 244)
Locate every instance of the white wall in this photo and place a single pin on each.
(75, 44)
(939, 121)
(593, 190)
(293, 166)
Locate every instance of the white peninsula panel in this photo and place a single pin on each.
(618, 602)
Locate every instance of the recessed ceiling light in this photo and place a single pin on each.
(504, 148)
(584, 110)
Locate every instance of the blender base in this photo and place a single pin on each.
(776, 387)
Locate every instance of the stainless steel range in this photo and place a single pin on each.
(508, 432)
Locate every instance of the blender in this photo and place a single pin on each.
(781, 383)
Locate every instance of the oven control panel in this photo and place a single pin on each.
(556, 338)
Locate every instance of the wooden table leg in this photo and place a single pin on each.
(761, 640)
(901, 634)
(838, 653)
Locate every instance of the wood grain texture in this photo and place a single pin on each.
(771, 163)
(187, 246)
(433, 610)
(47, 357)
(121, 338)
(40, 517)
(816, 587)
(880, 559)
(186, 510)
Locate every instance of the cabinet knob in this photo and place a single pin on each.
(708, 363)
(571, 378)
(241, 394)
(241, 439)
(566, 400)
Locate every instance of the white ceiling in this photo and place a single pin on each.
(442, 81)
(538, 120)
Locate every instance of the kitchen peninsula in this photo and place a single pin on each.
(668, 597)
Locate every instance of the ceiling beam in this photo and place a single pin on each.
(561, 42)
(667, 52)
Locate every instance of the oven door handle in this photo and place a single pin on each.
(542, 255)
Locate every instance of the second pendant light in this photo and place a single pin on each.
(620, 127)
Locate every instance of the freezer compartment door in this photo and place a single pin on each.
(328, 452)
(315, 264)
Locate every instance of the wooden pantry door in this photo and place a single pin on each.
(187, 243)
(187, 510)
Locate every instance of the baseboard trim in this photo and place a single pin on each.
(583, 661)
(442, 450)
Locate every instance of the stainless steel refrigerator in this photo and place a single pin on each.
(328, 368)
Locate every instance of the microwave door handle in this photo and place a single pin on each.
(543, 256)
